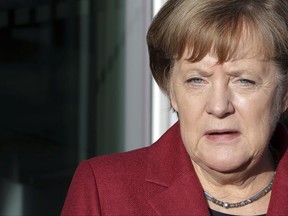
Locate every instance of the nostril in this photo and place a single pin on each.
(220, 108)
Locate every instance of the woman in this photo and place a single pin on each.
(223, 64)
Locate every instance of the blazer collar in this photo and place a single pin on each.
(169, 166)
(278, 202)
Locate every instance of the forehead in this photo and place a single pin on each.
(247, 43)
(249, 58)
(209, 64)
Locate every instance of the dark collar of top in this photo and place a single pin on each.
(216, 213)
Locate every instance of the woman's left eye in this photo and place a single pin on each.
(247, 82)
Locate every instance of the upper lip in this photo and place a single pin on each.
(221, 131)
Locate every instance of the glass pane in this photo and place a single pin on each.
(61, 80)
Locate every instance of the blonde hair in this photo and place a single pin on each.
(217, 26)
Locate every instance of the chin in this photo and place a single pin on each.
(227, 166)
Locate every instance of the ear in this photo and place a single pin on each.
(285, 103)
(173, 99)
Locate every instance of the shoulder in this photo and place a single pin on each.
(115, 165)
(103, 176)
(134, 164)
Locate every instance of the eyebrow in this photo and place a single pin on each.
(202, 72)
(199, 71)
(240, 72)
(191, 67)
(236, 72)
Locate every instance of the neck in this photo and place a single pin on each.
(240, 185)
(254, 172)
(242, 203)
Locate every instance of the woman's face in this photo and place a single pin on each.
(227, 111)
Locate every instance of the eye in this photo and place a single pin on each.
(196, 81)
(247, 82)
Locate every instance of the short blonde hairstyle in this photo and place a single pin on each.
(217, 26)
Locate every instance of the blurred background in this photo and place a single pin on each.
(75, 83)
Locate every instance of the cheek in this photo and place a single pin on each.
(191, 123)
(191, 115)
(257, 106)
(258, 117)
(190, 136)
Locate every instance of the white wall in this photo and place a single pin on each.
(137, 75)
(162, 116)
(147, 110)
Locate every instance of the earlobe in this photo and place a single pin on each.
(173, 101)
(285, 103)
(285, 106)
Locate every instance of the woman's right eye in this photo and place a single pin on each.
(195, 80)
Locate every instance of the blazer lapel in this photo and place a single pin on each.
(183, 197)
(278, 202)
(170, 167)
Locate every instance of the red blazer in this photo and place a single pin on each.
(156, 180)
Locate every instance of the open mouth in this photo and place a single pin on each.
(223, 135)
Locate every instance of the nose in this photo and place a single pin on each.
(219, 102)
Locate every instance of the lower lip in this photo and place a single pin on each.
(222, 137)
